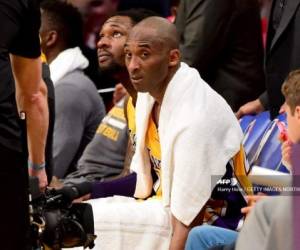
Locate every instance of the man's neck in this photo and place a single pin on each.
(155, 113)
(52, 54)
(158, 93)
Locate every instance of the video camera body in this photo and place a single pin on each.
(58, 223)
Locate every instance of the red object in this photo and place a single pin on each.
(264, 29)
(283, 135)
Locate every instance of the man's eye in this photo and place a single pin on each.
(145, 54)
(127, 55)
(117, 34)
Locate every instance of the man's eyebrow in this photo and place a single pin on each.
(140, 45)
(144, 45)
(116, 25)
(113, 23)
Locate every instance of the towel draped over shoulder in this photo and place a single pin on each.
(198, 135)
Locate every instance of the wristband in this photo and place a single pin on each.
(36, 166)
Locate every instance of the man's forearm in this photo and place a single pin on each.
(36, 108)
(31, 97)
(180, 234)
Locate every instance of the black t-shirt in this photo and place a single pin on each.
(19, 26)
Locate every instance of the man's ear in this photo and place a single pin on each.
(174, 58)
(297, 113)
(51, 38)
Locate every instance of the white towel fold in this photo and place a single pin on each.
(123, 223)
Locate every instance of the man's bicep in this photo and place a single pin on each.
(26, 43)
(27, 73)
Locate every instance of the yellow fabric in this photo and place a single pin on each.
(214, 209)
(43, 57)
(106, 129)
(117, 112)
(240, 168)
(108, 132)
(131, 117)
(153, 145)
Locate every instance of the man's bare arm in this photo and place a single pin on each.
(31, 97)
(180, 234)
(181, 231)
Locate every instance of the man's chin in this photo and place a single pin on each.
(109, 68)
(140, 89)
(105, 65)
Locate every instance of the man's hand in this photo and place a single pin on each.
(251, 200)
(82, 198)
(253, 107)
(56, 183)
(119, 93)
(286, 149)
(41, 174)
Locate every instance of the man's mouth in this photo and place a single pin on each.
(104, 56)
(136, 79)
(96, 3)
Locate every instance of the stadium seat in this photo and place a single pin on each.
(268, 153)
(254, 132)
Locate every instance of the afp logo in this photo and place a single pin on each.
(232, 181)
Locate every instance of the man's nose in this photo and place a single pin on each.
(103, 42)
(133, 64)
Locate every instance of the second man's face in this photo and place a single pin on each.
(111, 43)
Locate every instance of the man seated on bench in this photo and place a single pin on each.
(198, 135)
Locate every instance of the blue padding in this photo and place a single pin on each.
(269, 151)
(283, 169)
(253, 134)
(245, 121)
(282, 117)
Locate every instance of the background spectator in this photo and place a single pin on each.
(222, 40)
(282, 55)
(94, 13)
(78, 107)
(161, 7)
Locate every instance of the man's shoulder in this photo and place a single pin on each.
(77, 89)
(77, 78)
(77, 83)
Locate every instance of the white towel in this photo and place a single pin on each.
(198, 135)
(123, 223)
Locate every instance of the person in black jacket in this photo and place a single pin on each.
(222, 40)
(282, 55)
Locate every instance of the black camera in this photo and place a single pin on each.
(58, 223)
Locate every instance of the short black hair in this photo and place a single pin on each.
(174, 3)
(136, 15)
(66, 19)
